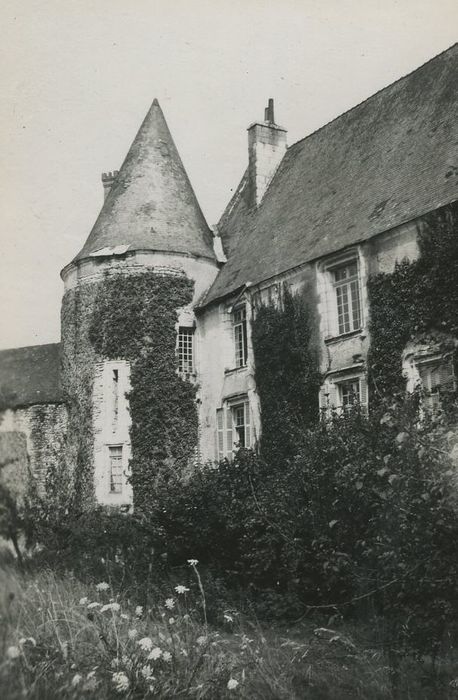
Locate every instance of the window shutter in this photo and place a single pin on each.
(229, 441)
(363, 394)
(220, 433)
(247, 425)
(447, 375)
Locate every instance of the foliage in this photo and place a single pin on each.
(135, 318)
(286, 373)
(64, 639)
(72, 487)
(418, 297)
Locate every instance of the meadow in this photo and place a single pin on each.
(62, 637)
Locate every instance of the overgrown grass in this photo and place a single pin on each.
(61, 638)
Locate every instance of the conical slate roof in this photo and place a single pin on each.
(151, 204)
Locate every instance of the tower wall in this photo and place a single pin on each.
(120, 317)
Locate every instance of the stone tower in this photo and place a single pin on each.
(128, 328)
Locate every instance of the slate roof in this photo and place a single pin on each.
(30, 375)
(387, 161)
(151, 204)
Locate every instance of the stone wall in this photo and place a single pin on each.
(34, 437)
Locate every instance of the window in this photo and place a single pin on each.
(240, 336)
(115, 387)
(185, 350)
(349, 393)
(233, 428)
(437, 379)
(116, 470)
(346, 286)
(340, 394)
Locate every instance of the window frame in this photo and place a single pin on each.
(227, 427)
(240, 336)
(121, 475)
(332, 325)
(431, 396)
(183, 351)
(331, 397)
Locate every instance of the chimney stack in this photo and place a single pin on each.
(107, 182)
(266, 148)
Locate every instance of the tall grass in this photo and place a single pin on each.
(60, 638)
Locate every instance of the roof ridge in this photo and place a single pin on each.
(370, 97)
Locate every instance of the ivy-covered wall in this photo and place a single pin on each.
(134, 318)
(78, 363)
(419, 299)
(287, 373)
(131, 317)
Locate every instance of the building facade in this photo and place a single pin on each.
(323, 215)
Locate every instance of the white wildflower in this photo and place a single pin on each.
(93, 605)
(170, 603)
(167, 656)
(155, 654)
(115, 662)
(132, 634)
(83, 601)
(13, 652)
(124, 616)
(232, 684)
(147, 673)
(181, 590)
(193, 562)
(228, 618)
(201, 640)
(171, 620)
(121, 682)
(115, 607)
(103, 586)
(145, 644)
(32, 641)
(76, 680)
(139, 611)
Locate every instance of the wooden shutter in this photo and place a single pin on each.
(247, 425)
(229, 442)
(363, 394)
(220, 433)
(447, 375)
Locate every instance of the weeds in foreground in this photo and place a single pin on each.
(60, 638)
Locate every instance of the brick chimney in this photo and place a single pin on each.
(107, 181)
(266, 148)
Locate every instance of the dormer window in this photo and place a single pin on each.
(239, 323)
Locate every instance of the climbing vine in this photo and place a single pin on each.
(134, 318)
(418, 300)
(287, 373)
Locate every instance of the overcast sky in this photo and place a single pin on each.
(77, 77)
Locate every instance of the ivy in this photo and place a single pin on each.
(287, 375)
(418, 300)
(78, 362)
(134, 318)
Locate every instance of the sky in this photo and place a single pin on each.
(78, 76)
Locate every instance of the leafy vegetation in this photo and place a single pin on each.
(134, 318)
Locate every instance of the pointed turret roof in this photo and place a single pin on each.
(151, 204)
